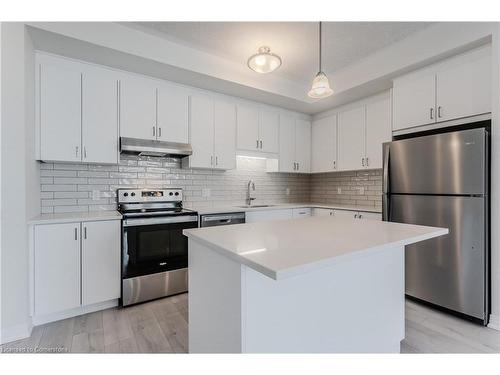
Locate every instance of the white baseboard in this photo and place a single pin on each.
(15, 333)
(494, 322)
(42, 319)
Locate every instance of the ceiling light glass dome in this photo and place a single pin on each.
(265, 61)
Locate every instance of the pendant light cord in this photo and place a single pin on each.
(320, 46)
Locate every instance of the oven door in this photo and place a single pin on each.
(156, 244)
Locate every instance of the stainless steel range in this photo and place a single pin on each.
(154, 250)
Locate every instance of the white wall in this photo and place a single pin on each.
(15, 186)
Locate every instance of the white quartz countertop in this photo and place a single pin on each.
(285, 248)
(74, 217)
(237, 208)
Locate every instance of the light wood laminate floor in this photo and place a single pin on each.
(162, 327)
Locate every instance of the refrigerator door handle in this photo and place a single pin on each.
(385, 173)
(385, 207)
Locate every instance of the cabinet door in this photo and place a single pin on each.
(247, 128)
(414, 100)
(345, 214)
(60, 112)
(224, 135)
(370, 216)
(173, 112)
(324, 145)
(322, 212)
(269, 127)
(201, 132)
(57, 267)
(301, 212)
(378, 131)
(351, 141)
(464, 86)
(303, 145)
(101, 261)
(137, 108)
(99, 116)
(268, 215)
(287, 144)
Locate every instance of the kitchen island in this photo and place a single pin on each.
(319, 284)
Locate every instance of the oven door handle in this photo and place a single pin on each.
(159, 220)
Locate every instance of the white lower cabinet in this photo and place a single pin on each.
(100, 261)
(268, 215)
(75, 264)
(322, 211)
(301, 212)
(346, 213)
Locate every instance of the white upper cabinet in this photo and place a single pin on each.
(247, 128)
(269, 124)
(324, 144)
(60, 111)
(414, 101)
(201, 132)
(99, 117)
(257, 129)
(464, 86)
(212, 134)
(378, 130)
(173, 114)
(303, 145)
(455, 88)
(287, 161)
(137, 107)
(77, 112)
(351, 141)
(224, 135)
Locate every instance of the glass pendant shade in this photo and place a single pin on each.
(264, 61)
(320, 87)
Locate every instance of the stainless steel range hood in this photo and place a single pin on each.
(147, 147)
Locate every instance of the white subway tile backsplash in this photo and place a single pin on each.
(69, 187)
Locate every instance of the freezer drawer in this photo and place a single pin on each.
(450, 163)
(450, 270)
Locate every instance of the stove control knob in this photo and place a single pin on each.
(132, 194)
(170, 193)
(125, 194)
(176, 193)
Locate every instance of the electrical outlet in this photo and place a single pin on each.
(287, 191)
(339, 190)
(96, 195)
(205, 193)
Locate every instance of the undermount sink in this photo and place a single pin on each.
(256, 206)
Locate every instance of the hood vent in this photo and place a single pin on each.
(146, 147)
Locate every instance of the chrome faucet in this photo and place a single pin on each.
(249, 199)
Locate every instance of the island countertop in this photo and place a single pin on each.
(280, 249)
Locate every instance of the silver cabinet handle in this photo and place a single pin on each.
(76, 234)
(439, 111)
(76, 151)
(363, 162)
(355, 216)
(154, 131)
(216, 160)
(360, 216)
(334, 164)
(298, 166)
(367, 161)
(261, 144)
(159, 132)
(432, 113)
(85, 233)
(84, 152)
(257, 144)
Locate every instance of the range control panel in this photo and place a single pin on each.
(147, 195)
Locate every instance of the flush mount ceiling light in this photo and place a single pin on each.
(265, 61)
(320, 85)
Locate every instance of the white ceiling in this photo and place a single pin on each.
(296, 42)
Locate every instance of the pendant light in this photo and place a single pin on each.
(320, 85)
(264, 61)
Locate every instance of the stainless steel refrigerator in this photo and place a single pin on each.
(442, 180)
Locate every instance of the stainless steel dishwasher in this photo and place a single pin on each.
(213, 220)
